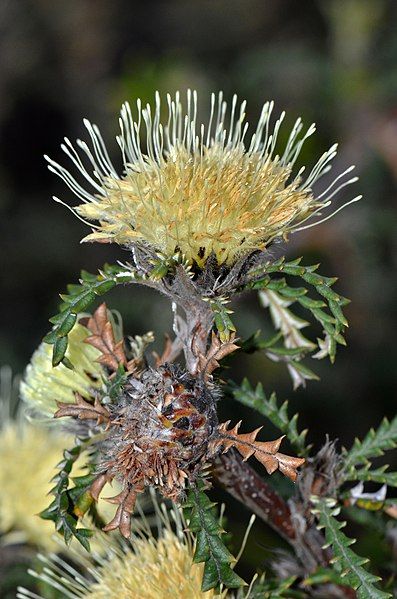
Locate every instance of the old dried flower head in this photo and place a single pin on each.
(157, 434)
(43, 385)
(198, 190)
(161, 428)
(147, 567)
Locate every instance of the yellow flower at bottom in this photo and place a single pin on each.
(28, 456)
(147, 568)
(155, 570)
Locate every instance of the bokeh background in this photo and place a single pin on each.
(332, 61)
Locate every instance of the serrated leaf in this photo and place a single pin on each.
(66, 324)
(83, 301)
(333, 321)
(202, 552)
(69, 504)
(374, 444)
(78, 299)
(378, 476)
(348, 564)
(210, 548)
(82, 535)
(104, 287)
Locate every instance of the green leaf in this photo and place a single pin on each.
(321, 576)
(377, 476)
(278, 415)
(277, 589)
(374, 444)
(210, 547)
(300, 373)
(60, 347)
(70, 503)
(78, 299)
(222, 319)
(308, 302)
(347, 564)
(66, 324)
(278, 296)
(82, 535)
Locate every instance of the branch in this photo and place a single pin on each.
(244, 484)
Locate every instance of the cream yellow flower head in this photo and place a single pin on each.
(28, 455)
(195, 189)
(148, 567)
(43, 385)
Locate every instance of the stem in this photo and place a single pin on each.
(199, 317)
(244, 484)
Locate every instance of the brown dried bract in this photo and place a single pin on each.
(102, 338)
(172, 349)
(83, 410)
(217, 351)
(266, 452)
(122, 518)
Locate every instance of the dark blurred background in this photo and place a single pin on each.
(332, 61)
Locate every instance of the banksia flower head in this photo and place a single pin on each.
(198, 190)
(28, 454)
(154, 568)
(43, 385)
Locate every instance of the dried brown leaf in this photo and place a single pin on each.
(266, 452)
(102, 338)
(97, 486)
(171, 351)
(217, 351)
(83, 410)
(122, 518)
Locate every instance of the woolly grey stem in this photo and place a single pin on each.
(198, 317)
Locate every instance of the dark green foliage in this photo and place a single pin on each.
(278, 415)
(70, 503)
(379, 475)
(357, 464)
(374, 444)
(327, 309)
(210, 548)
(77, 299)
(347, 563)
